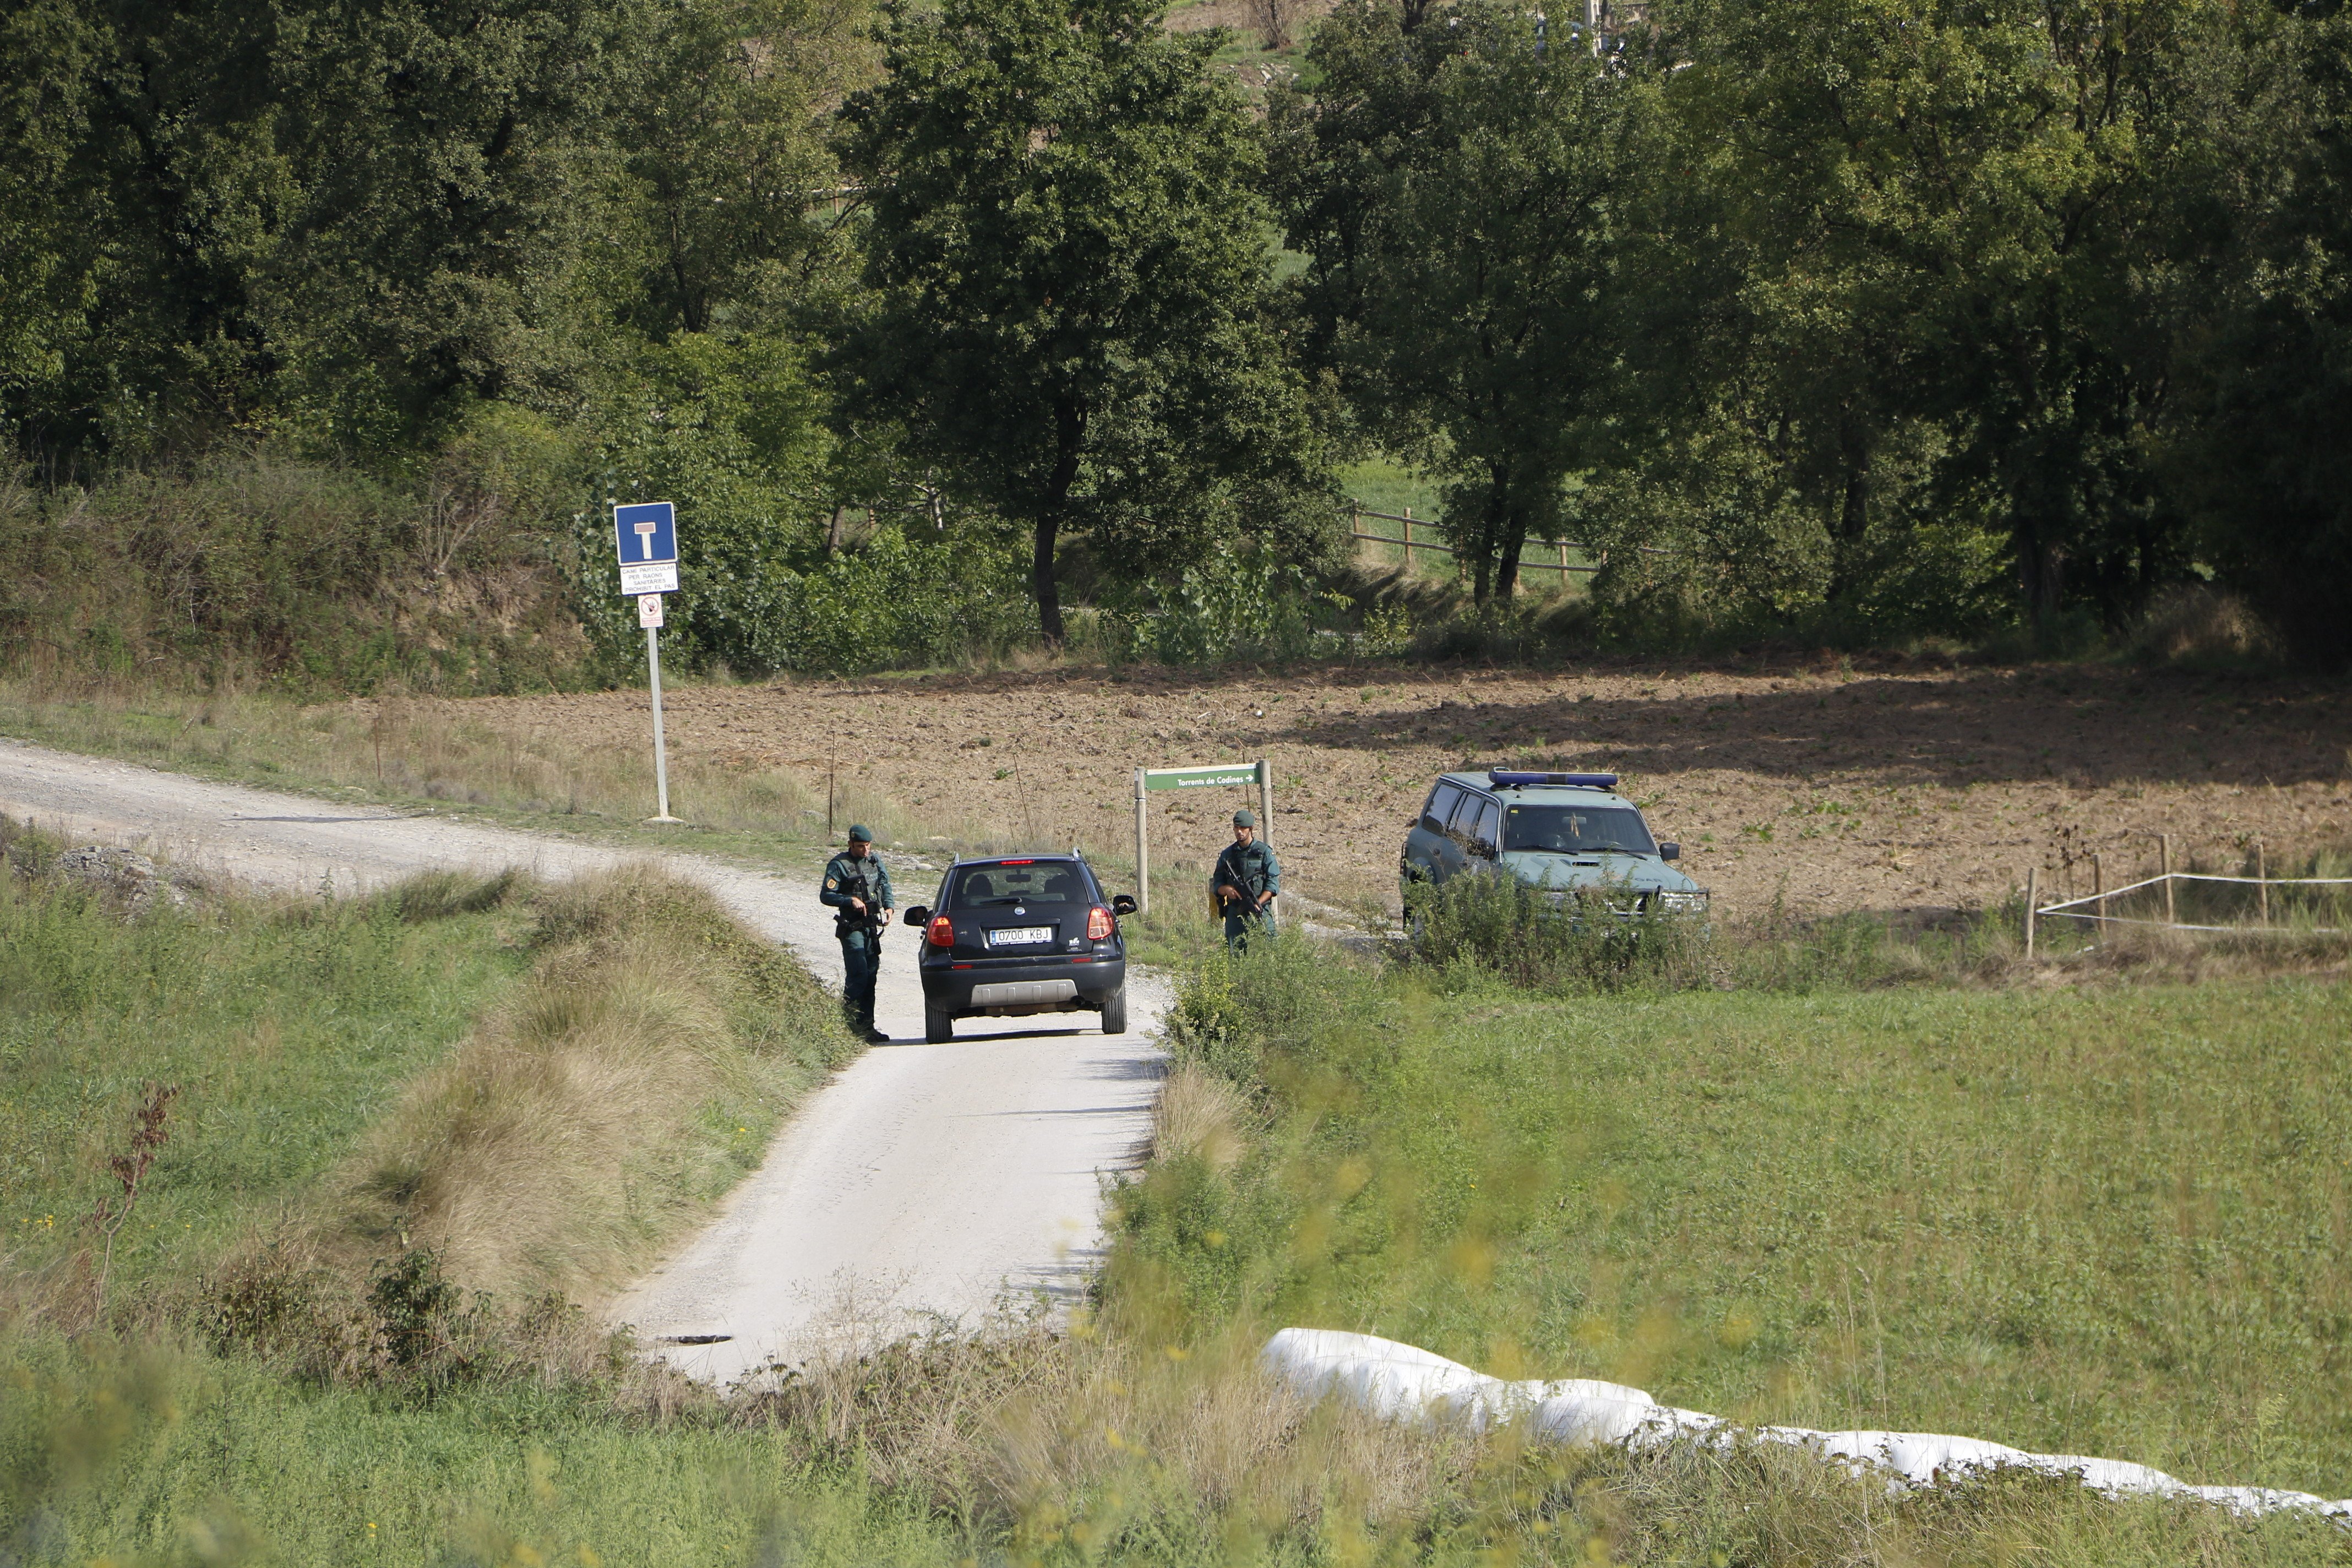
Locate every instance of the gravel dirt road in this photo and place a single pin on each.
(922, 1180)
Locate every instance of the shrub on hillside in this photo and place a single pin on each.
(309, 573)
(1589, 939)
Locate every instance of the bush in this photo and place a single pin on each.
(313, 574)
(1590, 939)
(2201, 625)
(1238, 604)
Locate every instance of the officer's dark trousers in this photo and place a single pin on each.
(1240, 928)
(861, 961)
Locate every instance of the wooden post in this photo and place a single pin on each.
(1408, 542)
(1142, 851)
(2164, 850)
(2262, 881)
(1266, 811)
(2099, 884)
(2032, 899)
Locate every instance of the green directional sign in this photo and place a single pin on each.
(1200, 777)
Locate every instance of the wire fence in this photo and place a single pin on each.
(2209, 902)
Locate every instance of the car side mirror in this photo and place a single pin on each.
(918, 916)
(1122, 905)
(1670, 851)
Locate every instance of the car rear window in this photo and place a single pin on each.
(1440, 807)
(1577, 829)
(1039, 882)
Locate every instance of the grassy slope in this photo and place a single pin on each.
(2108, 1222)
(320, 1045)
(290, 1027)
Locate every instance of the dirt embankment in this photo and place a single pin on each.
(1896, 788)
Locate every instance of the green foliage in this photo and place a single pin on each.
(1948, 224)
(1067, 256)
(290, 1028)
(146, 1454)
(320, 576)
(1876, 323)
(903, 599)
(2263, 461)
(730, 430)
(1595, 940)
(1470, 195)
(1238, 604)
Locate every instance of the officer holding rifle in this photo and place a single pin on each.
(1244, 883)
(857, 891)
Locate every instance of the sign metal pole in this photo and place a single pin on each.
(1266, 812)
(1142, 851)
(661, 753)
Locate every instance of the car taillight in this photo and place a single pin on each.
(1099, 925)
(940, 932)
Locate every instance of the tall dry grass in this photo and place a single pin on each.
(1075, 1439)
(570, 1136)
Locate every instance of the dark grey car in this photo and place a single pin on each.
(1013, 935)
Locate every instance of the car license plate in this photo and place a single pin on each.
(1020, 936)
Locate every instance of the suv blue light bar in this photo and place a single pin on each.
(1503, 779)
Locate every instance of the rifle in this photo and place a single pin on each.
(1245, 904)
(846, 919)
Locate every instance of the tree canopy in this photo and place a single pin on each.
(1849, 319)
(1067, 254)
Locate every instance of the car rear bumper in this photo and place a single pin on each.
(1010, 987)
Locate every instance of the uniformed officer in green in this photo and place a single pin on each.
(1245, 881)
(857, 891)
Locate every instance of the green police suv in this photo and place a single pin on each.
(1558, 832)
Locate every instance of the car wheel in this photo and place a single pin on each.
(1114, 1012)
(939, 1024)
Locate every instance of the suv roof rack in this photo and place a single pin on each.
(1503, 778)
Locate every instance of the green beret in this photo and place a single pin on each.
(1243, 818)
(860, 834)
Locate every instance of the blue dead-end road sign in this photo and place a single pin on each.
(645, 531)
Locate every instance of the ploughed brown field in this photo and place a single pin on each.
(1896, 787)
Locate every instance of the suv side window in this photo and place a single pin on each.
(1485, 827)
(1465, 815)
(1441, 805)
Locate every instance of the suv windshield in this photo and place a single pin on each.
(1053, 882)
(1577, 829)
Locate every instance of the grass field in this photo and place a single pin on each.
(2107, 1221)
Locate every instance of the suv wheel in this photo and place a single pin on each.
(1114, 1012)
(939, 1024)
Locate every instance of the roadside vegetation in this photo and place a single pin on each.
(1820, 1186)
(403, 1139)
(415, 1136)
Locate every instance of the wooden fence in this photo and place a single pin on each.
(1357, 514)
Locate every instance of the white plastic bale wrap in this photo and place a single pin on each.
(1404, 1383)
